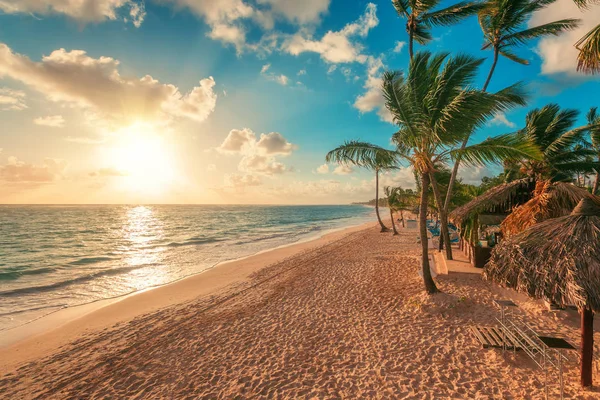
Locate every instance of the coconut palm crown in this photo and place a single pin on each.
(420, 18)
(503, 23)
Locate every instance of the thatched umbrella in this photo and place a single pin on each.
(557, 260)
(550, 200)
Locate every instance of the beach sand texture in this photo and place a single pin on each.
(348, 319)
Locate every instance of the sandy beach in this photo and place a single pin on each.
(344, 316)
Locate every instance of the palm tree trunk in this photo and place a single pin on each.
(587, 346)
(402, 218)
(383, 227)
(595, 188)
(393, 223)
(427, 279)
(489, 78)
(411, 39)
(445, 235)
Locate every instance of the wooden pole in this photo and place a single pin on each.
(587, 346)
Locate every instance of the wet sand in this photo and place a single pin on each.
(345, 317)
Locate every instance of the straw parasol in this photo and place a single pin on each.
(557, 260)
(550, 200)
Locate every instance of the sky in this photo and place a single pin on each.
(227, 101)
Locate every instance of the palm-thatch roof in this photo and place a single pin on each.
(550, 200)
(497, 200)
(557, 260)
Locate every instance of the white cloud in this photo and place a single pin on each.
(302, 72)
(281, 79)
(323, 169)
(95, 84)
(259, 155)
(18, 171)
(399, 46)
(472, 175)
(52, 121)
(373, 98)
(301, 12)
(12, 100)
(85, 11)
(274, 143)
(500, 119)
(558, 53)
(336, 46)
(331, 69)
(404, 176)
(343, 170)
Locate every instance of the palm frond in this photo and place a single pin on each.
(363, 154)
(588, 60)
(402, 7)
(500, 148)
(451, 15)
(513, 57)
(552, 28)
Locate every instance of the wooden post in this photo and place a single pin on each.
(587, 346)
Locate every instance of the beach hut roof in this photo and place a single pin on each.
(556, 260)
(501, 195)
(550, 200)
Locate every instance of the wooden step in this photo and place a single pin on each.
(492, 336)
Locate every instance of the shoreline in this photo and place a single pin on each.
(40, 336)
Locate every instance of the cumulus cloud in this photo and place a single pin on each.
(404, 176)
(343, 170)
(500, 119)
(372, 99)
(21, 172)
(274, 143)
(95, 84)
(52, 121)
(323, 169)
(279, 78)
(559, 54)
(472, 175)
(301, 12)
(399, 46)
(259, 154)
(336, 46)
(85, 11)
(12, 100)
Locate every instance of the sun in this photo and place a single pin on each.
(145, 158)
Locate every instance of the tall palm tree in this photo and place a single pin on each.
(435, 108)
(504, 26)
(368, 156)
(593, 118)
(420, 18)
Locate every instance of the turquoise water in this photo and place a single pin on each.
(52, 257)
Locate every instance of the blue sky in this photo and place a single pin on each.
(228, 101)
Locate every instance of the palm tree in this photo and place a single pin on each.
(435, 109)
(420, 19)
(594, 119)
(551, 129)
(368, 156)
(392, 200)
(503, 23)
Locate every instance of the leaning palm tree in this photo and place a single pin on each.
(504, 26)
(420, 18)
(392, 199)
(435, 107)
(368, 156)
(399, 200)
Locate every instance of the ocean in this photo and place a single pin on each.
(53, 257)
